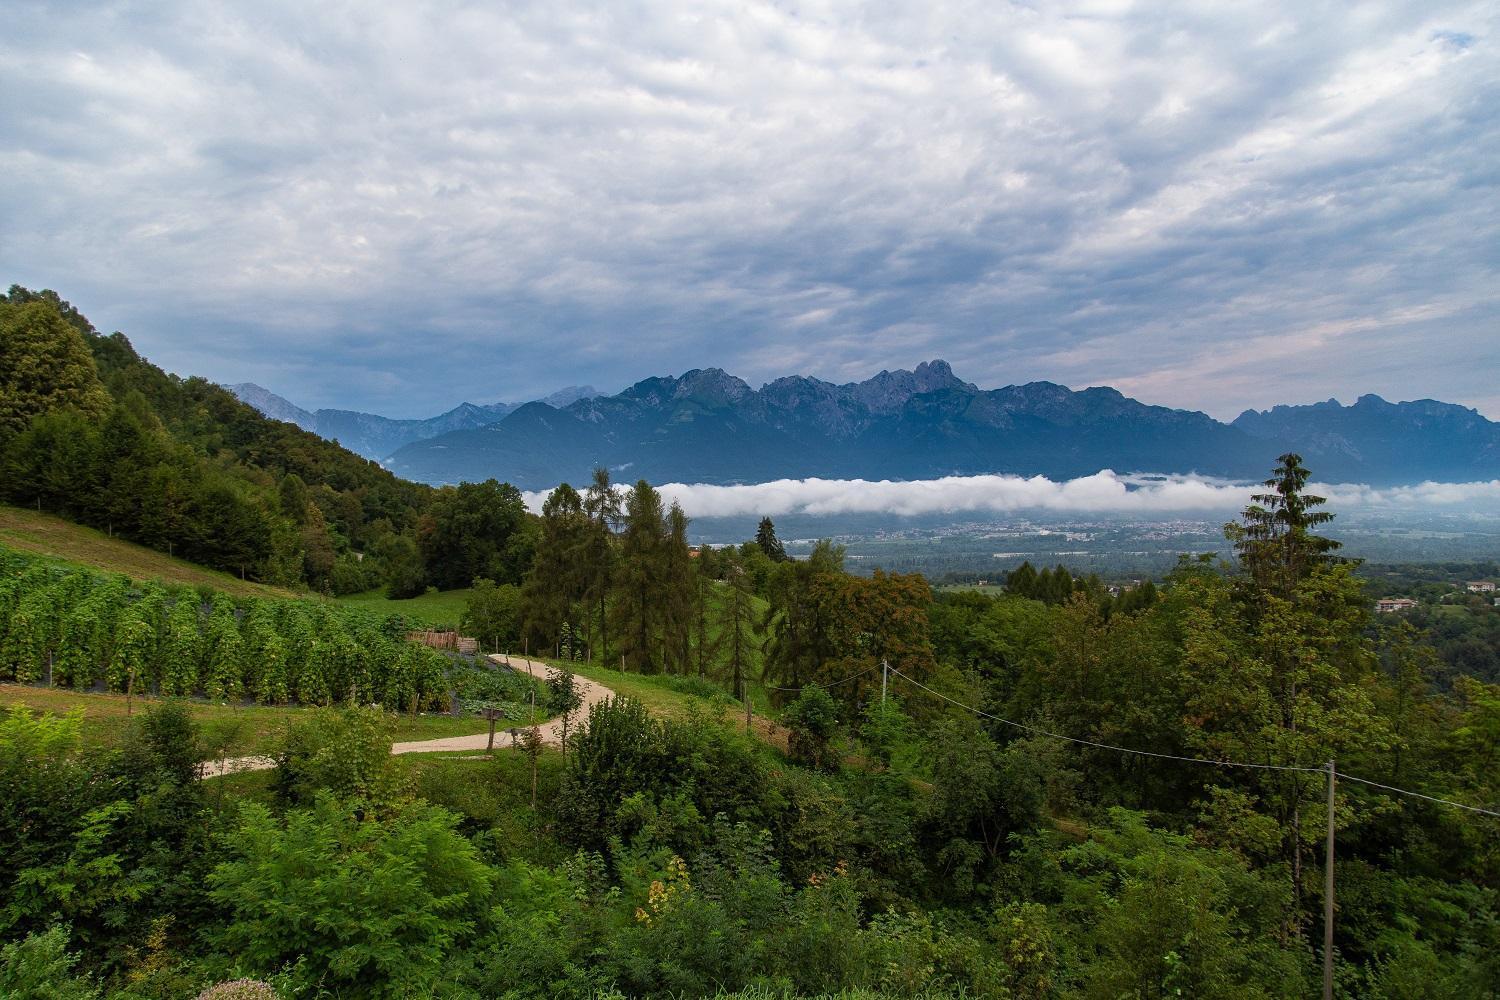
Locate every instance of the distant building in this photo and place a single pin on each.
(1387, 605)
(1481, 587)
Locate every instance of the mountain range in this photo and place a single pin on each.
(708, 426)
(377, 437)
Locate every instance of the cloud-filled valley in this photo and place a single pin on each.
(1103, 493)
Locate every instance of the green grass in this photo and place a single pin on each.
(45, 535)
(661, 698)
(443, 608)
(242, 729)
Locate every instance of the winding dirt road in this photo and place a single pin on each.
(551, 731)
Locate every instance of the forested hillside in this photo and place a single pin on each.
(1050, 792)
(94, 432)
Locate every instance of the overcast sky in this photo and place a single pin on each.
(396, 207)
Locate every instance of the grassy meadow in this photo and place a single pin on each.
(52, 537)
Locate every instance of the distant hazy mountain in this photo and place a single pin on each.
(1374, 440)
(708, 426)
(711, 427)
(378, 437)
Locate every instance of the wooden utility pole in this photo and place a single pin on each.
(885, 673)
(1328, 893)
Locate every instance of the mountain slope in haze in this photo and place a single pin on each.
(709, 426)
(1424, 439)
(374, 436)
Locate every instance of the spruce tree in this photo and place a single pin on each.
(1274, 539)
(765, 537)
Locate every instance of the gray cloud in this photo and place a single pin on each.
(391, 208)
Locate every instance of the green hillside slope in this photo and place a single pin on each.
(47, 535)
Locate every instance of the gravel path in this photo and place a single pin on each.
(551, 731)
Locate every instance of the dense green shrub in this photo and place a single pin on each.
(355, 905)
(39, 967)
(342, 751)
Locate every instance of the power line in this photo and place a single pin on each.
(1109, 746)
(1405, 791)
(846, 680)
(1191, 760)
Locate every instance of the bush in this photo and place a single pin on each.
(813, 719)
(371, 907)
(345, 751)
(40, 968)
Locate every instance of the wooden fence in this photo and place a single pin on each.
(451, 641)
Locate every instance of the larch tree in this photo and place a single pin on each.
(639, 583)
(603, 508)
(739, 631)
(554, 590)
(678, 592)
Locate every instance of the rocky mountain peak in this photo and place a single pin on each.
(714, 386)
(888, 391)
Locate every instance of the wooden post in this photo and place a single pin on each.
(1328, 893)
(494, 715)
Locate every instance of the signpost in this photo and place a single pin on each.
(494, 715)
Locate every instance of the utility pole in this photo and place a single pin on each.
(1328, 894)
(885, 673)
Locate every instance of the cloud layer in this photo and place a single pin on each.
(395, 206)
(1102, 493)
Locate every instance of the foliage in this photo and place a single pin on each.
(813, 720)
(90, 628)
(362, 906)
(768, 543)
(903, 847)
(39, 967)
(345, 751)
(476, 531)
(44, 367)
(492, 614)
